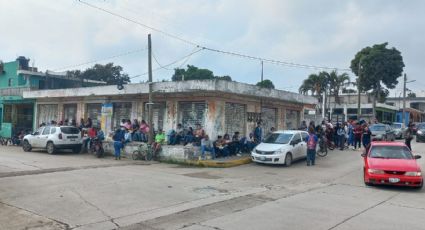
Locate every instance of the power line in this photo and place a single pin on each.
(236, 54)
(138, 23)
(169, 64)
(157, 62)
(101, 59)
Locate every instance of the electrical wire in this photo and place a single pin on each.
(102, 59)
(169, 64)
(138, 23)
(157, 62)
(236, 54)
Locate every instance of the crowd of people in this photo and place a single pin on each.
(352, 134)
(224, 146)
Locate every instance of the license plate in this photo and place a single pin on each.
(394, 180)
(262, 158)
(72, 139)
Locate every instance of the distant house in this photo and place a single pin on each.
(16, 77)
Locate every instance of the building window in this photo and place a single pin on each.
(338, 111)
(10, 82)
(191, 113)
(351, 111)
(235, 118)
(367, 111)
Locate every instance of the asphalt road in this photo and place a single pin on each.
(73, 191)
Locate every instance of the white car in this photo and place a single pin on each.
(281, 147)
(52, 138)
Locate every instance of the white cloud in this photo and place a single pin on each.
(323, 33)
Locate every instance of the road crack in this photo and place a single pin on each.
(65, 225)
(363, 211)
(110, 218)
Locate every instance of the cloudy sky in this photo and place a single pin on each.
(61, 35)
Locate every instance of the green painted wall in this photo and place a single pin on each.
(10, 69)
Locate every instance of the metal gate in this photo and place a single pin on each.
(235, 118)
(191, 113)
(122, 110)
(158, 115)
(94, 112)
(292, 119)
(268, 119)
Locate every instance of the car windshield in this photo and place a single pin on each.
(70, 130)
(420, 126)
(278, 138)
(396, 126)
(391, 152)
(377, 128)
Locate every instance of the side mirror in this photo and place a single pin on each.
(417, 156)
(363, 155)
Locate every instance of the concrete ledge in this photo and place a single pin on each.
(178, 154)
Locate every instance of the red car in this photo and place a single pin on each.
(391, 163)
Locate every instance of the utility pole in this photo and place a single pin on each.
(261, 99)
(150, 111)
(404, 99)
(359, 111)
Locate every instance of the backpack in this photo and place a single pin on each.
(311, 144)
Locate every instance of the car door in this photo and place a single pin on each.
(296, 146)
(389, 133)
(303, 152)
(35, 138)
(44, 136)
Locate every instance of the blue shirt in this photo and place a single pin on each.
(119, 135)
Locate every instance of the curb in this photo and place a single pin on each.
(220, 164)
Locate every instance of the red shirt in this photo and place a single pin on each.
(91, 133)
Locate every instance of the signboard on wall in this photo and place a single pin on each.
(106, 120)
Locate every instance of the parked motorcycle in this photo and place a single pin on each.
(96, 148)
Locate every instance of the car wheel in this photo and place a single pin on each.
(288, 159)
(364, 179)
(26, 146)
(50, 148)
(76, 149)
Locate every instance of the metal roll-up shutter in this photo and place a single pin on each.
(269, 119)
(191, 113)
(235, 118)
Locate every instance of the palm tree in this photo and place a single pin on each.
(315, 83)
(336, 83)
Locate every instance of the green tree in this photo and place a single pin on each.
(375, 67)
(266, 84)
(195, 73)
(109, 73)
(411, 95)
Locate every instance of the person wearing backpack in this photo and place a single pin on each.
(312, 140)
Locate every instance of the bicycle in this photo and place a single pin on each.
(145, 152)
